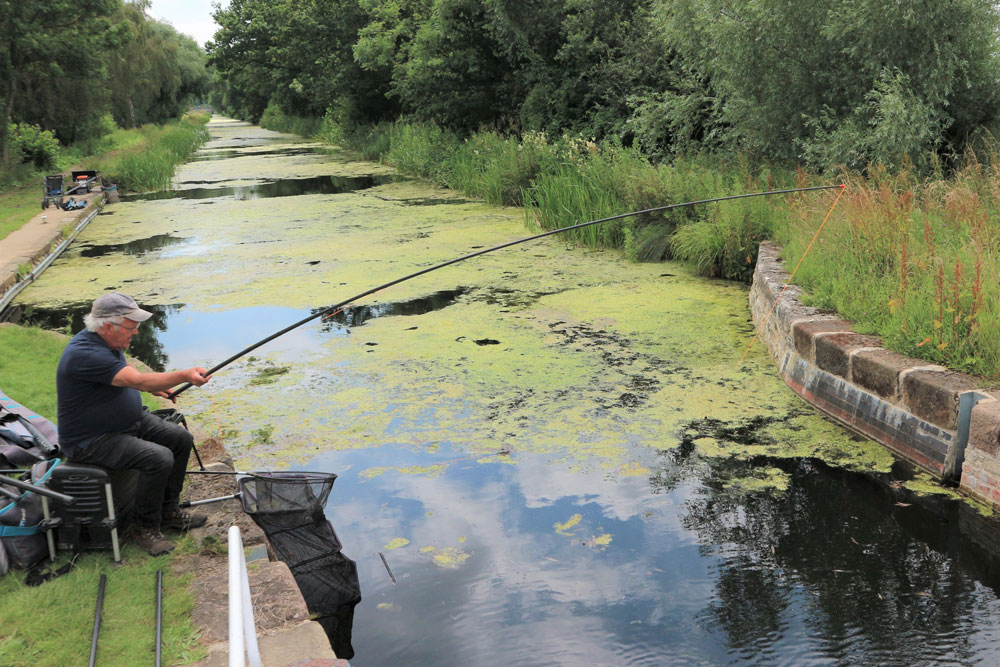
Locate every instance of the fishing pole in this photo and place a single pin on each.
(337, 306)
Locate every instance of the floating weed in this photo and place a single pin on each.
(599, 542)
(396, 543)
(428, 471)
(760, 479)
(269, 374)
(923, 484)
(634, 469)
(446, 557)
(563, 528)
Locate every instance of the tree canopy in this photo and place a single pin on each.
(65, 65)
(820, 82)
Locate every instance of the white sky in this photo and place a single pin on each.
(191, 17)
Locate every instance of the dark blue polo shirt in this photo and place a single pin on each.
(89, 405)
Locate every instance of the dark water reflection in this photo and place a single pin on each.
(839, 569)
(292, 187)
(137, 247)
(356, 315)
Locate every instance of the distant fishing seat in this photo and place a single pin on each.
(53, 191)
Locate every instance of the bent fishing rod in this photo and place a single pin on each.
(337, 306)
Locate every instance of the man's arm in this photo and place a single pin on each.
(157, 383)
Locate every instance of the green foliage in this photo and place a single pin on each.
(497, 169)
(857, 76)
(257, 56)
(102, 61)
(36, 146)
(424, 150)
(154, 72)
(917, 263)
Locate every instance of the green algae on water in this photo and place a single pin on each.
(563, 528)
(427, 471)
(446, 557)
(396, 543)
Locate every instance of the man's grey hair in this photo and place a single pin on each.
(94, 324)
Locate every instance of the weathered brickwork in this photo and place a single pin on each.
(908, 405)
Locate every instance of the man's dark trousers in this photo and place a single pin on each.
(156, 448)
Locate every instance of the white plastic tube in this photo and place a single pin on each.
(249, 628)
(236, 643)
(242, 632)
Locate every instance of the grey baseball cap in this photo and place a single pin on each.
(116, 304)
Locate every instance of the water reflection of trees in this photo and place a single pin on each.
(355, 316)
(879, 571)
(145, 345)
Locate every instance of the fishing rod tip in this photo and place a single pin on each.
(843, 185)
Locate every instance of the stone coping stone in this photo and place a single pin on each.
(804, 332)
(302, 645)
(984, 427)
(878, 371)
(926, 391)
(933, 394)
(833, 351)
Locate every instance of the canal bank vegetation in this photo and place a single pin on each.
(83, 85)
(139, 159)
(577, 110)
(52, 624)
(68, 82)
(148, 155)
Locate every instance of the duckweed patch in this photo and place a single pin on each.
(269, 374)
(563, 528)
(396, 543)
(446, 557)
(431, 471)
(760, 479)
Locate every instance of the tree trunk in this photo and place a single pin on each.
(5, 121)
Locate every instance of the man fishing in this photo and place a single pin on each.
(102, 421)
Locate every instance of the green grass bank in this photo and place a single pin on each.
(914, 260)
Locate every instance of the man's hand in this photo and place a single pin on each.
(196, 376)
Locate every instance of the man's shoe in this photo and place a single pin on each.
(182, 521)
(152, 541)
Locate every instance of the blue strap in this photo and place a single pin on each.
(17, 531)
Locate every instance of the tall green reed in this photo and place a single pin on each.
(149, 164)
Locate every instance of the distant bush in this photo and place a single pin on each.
(36, 146)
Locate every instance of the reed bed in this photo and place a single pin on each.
(153, 153)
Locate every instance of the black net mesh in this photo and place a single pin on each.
(285, 491)
(288, 506)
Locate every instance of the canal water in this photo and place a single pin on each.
(547, 455)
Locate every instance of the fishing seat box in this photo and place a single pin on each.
(88, 523)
